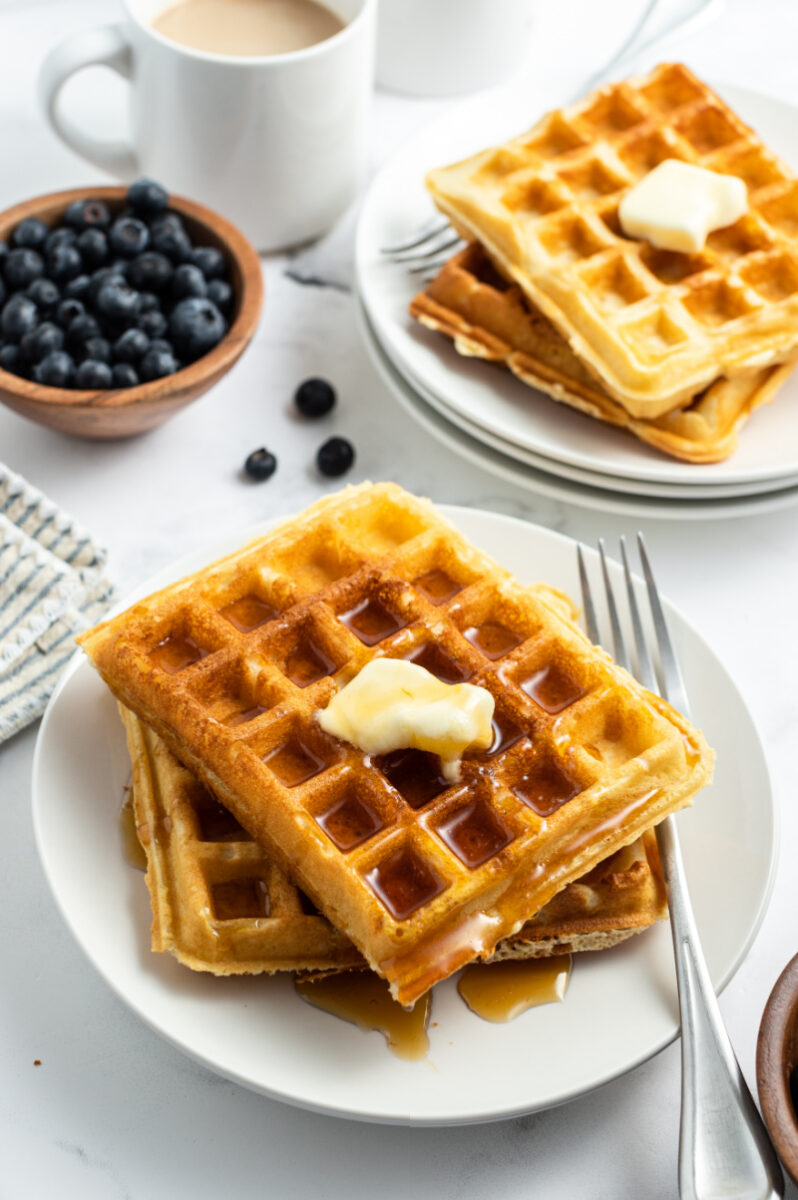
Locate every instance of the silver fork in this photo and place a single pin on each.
(426, 249)
(724, 1149)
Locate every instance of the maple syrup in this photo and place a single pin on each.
(243, 716)
(545, 788)
(363, 999)
(307, 663)
(474, 833)
(552, 688)
(372, 621)
(132, 848)
(416, 775)
(240, 898)
(501, 991)
(248, 612)
(215, 822)
(176, 652)
(403, 881)
(505, 734)
(492, 640)
(439, 663)
(349, 822)
(293, 762)
(437, 586)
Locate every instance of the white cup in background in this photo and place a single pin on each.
(446, 47)
(275, 143)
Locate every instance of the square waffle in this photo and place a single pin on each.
(656, 327)
(232, 665)
(220, 905)
(487, 317)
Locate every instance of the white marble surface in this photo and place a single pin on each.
(115, 1112)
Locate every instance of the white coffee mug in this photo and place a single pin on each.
(275, 143)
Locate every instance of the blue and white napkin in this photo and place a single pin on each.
(52, 585)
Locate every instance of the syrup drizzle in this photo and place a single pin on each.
(131, 846)
(363, 999)
(502, 991)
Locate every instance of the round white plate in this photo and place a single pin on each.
(557, 487)
(493, 400)
(592, 479)
(621, 1006)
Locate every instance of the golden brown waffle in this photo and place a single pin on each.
(220, 905)
(232, 665)
(487, 317)
(654, 326)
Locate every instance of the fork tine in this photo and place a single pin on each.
(674, 689)
(433, 263)
(619, 644)
(591, 624)
(645, 667)
(432, 246)
(432, 227)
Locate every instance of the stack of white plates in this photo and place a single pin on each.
(493, 419)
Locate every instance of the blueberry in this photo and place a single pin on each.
(11, 358)
(335, 456)
(148, 302)
(80, 330)
(130, 346)
(188, 280)
(157, 363)
(60, 237)
(153, 323)
(96, 349)
(92, 374)
(93, 246)
(129, 236)
(151, 271)
(210, 261)
(260, 464)
(314, 397)
(55, 369)
(83, 214)
(3, 293)
(22, 266)
(170, 238)
(19, 316)
(100, 278)
(67, 311)
(3, 252)
(45, 295)
(42, 340)
(31, 233)
(124, 375)
(78, 288)
(147, 197)
(221, 294)
(117, 301)
(64, 263)
(196, 326)
(161, 344)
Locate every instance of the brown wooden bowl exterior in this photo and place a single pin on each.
(124, 412)
(776, 1056)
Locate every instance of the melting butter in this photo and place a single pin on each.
(393, 704)
(677, 205)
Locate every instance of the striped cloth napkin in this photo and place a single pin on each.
(52, 585)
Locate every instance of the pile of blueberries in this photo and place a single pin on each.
(103, 301)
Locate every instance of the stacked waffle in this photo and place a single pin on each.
(677, 348)
(230, 668)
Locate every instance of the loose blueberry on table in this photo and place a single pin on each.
(108, 300)
(260, 464)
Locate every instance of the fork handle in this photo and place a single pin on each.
(724, 1149)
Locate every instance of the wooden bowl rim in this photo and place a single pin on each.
(210, 365)
(779, 1021)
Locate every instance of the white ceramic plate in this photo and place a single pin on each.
(592, 479)
(557, 486)
(494, 400)
(621, 1005)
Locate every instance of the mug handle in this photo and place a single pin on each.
(107, 46)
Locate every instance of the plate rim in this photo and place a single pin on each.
(227, 542)
(498, 99)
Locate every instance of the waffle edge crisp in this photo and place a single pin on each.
(231, 665)
(654, 326)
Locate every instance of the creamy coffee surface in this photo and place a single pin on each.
(247, 28)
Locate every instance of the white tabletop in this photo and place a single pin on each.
(113, 1111)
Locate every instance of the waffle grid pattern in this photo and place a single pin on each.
(421, 876)
(487, 317)
(655, 326)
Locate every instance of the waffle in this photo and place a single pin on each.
(656, 327)
(231, 666)
(487, 317)
(220, 905)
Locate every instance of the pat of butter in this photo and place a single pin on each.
(393, 704)
(677, 205)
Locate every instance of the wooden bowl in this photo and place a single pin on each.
(123, 412)
(776, 1059)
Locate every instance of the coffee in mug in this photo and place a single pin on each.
(247, 28)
